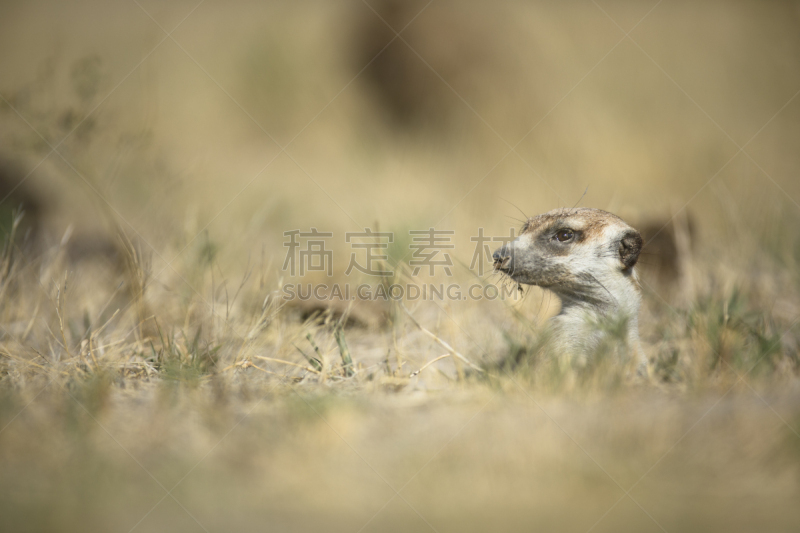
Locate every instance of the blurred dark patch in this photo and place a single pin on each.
(667, 250)
(96, 247)
(17, 195)
(369, 314)
(86, 75)
(404, 86)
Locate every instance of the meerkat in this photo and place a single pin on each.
(587, 258)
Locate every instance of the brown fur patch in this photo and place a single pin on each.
(590, 222)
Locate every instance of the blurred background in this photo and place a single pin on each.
(160, 150)
(251, 119)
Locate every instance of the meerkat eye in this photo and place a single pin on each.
(565, 235)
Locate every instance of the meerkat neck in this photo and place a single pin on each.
(602, 296)
(609, 300)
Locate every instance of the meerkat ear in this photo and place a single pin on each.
(629, 247)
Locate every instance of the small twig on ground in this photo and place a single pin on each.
(444, 344)
(249, 364)
(309, 369)
(429, 363)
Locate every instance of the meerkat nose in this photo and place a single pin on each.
(501, 258)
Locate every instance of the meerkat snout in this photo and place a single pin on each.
(501, 258)
(587, 258)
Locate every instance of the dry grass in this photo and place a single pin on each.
(152, 378)
(103, 414)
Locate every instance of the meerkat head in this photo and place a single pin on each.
(580, 254)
